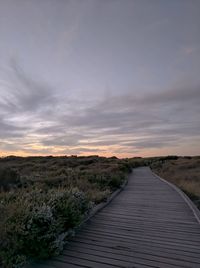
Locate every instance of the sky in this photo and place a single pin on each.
(106, 77)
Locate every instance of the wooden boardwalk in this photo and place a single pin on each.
(147, 225)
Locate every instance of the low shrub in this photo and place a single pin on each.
(37, 224)
(44, 198)
(184, 172)
(8, 178)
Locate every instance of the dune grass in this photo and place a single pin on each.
(42, 200)
(184, 172)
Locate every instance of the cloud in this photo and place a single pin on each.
(178, 96)
(62, 140)
(189, 50)
(28, 95)
(39, 121)
(153, 142)
(10, 131)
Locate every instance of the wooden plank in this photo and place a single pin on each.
(145, 228)
(151, 240)
(145, 251)
(135, 246)
(121, 262)
(188, 238)
(135, 255)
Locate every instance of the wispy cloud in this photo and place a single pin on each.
(40, 122)
(189, 50)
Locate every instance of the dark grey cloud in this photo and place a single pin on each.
(36, 116)
(25, 95)
(105, 142)
(132, 76)
(63, 140)
(121, 115)
(153, 142)
(10, 131)
(189, 94)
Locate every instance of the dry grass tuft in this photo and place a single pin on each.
(42, 199)
(183, 172)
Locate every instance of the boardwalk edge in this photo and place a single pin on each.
(191, 205)
(93, 212)
(102, 205)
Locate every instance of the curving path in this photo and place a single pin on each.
(149, 224)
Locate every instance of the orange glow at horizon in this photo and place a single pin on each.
(101, 151)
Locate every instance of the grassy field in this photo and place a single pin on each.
(184, 172)
(42, 199)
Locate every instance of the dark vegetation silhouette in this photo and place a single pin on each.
(43, 199)
(184, 172)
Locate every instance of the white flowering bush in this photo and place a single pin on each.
(42, 199)
(38, 223)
